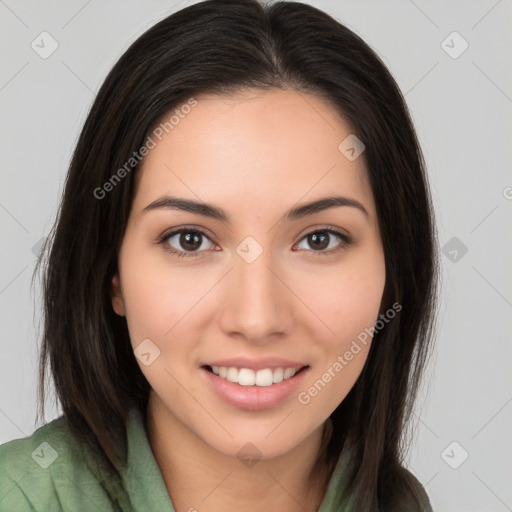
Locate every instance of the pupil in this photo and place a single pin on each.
(191, 240)
(323, 239)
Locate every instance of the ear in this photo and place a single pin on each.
(117, 297)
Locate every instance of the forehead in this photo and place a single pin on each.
(256, 149)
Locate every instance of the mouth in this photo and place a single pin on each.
(249, 377)
(254, 389)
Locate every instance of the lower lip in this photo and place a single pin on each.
(254, 398)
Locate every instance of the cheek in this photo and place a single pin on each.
(157, 295)
(357, 302)
(345, 299)
(159, 302)
(151, 307)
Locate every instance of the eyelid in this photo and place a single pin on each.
(343, 233)
(179, 229)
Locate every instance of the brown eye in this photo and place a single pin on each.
(319, 241)
(323, 241)
(185, 242)
(190, 241)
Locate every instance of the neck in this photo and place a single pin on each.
(198, 477)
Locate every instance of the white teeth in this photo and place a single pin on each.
(232, 374)
(264, 377)
(248, 377)
(278, 375)
(289, 372)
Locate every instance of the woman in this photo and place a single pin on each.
(240, 286)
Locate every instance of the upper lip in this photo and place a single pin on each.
(257, 364)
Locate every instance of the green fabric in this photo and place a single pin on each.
(51, 471)
(74, 481)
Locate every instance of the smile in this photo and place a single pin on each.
(254, 389)
(249, 377)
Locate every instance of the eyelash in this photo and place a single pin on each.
(345, 242)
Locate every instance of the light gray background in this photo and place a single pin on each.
(462, 110)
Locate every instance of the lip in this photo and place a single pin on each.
(254, 398)
(257, 364)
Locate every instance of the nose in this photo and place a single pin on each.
(256, 301)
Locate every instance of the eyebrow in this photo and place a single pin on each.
(215, 212)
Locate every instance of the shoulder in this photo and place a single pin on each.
(416, 495)
(42, 471)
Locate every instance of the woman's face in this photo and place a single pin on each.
(241, 287)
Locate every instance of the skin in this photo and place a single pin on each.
(256, 155)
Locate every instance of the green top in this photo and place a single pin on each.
(52, 471)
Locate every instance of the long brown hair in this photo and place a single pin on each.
(224, 46)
